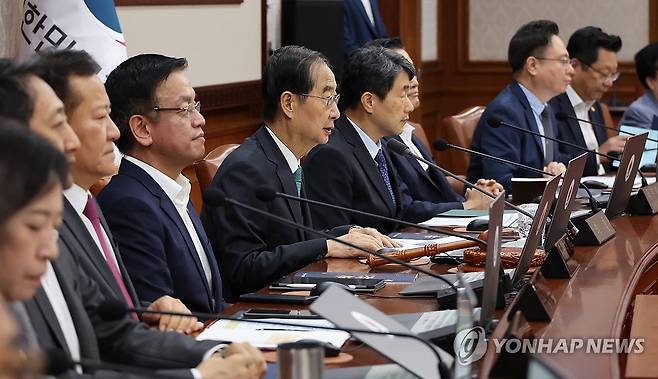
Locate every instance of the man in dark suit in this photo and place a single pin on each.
(541, 70)
(147, 206)
(353, 170)
(73, 76)
(424, 182)
(594, 59)
(362, 22)
(299, 90)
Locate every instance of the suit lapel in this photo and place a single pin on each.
(283, 173)
(214, 269)
(596, 116)
(574, 125)
(365, 161)
(364, 14)
(529, 115)
(414, 162)
(45, 308)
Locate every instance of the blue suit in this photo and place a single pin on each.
(510, 106)
(641, 112)
(570, 131)
(426, 185)
(357, 26)
(155, 244)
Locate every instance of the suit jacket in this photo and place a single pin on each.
(357, 26)
(74, 234)
(427, 185)
(641, 112)
(155, 244)
(510, 106)
(570, 131)
(342, 172)
(123, 341)
(254, 250)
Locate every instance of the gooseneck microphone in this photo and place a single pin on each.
(561, 116)
(216, 197)
(111, 310)
(402, 149)
(495, 122)
(442, 145)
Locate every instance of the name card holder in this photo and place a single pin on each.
(535, 300)
(594, 230)
(558, 264)
(513, 365)
(645, 202)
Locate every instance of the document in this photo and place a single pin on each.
(508, 220)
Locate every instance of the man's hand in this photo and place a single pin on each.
(385, 240)
(178, 324)
(338, 250)
(240, 360)
(476, 200)
(615, 143)
(555, 168)
(490, 185)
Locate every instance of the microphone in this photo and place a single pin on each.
(442, 145)
(216, 197)
(561, 116)
(495, 122)
(111, 310)
(58, 362)
(402, 149)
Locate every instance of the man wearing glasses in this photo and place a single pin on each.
(147, 205)
(300, 106)
(541, 69)
(594, 60)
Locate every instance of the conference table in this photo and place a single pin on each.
(596, 302)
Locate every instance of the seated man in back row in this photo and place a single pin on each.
(299, 91)
(354, 169)
(642, 112)
(541, 70)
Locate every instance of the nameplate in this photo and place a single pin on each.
(508, 364)
(534, 300)
(645, 202)
(558, 264)
(594, 230)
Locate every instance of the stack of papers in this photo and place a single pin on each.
(439, 221)
(269, 335)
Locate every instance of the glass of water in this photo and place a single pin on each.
(524, 222)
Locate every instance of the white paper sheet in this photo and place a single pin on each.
(411, 243)
(508, 219)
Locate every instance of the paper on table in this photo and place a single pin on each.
(508, 219)
(411, 243)
(262, 337)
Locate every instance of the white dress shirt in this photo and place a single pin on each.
(368, 7)
(178, 192)
(582, 108)
(407, 133)
(78, 196)
(53, 290)
(290, 157)
(372, 147)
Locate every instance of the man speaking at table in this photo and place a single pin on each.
(299, 91)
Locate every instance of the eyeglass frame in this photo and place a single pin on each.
(611, 77)
(566, 61)
(329, 99)
(191, 107)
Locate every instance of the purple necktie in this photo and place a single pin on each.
(91, 212)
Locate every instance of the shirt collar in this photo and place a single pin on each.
(536, 104)
(290, 157)
(177, 190)
(78, 197)
(372, 147)
(576, 100)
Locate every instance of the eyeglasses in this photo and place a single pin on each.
(566, 61)
(333, 99)
(187, 111)
(607, 77)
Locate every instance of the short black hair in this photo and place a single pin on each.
(529, 40)
(56, 67)
(394, 43)
(288, 69)
(585, 42)
(29, 167)
(372, 69)
(646, 63)
(16, 102)
(131, 88)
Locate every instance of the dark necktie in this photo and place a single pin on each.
(91, 212)
(548, 132)
(383, 171)
(298, 179)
